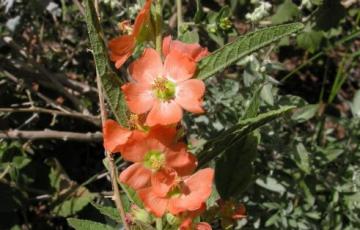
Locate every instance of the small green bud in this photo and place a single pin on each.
(172, 220)
(141, 214)
(225, 23)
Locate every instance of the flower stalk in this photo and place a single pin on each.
(158, 25)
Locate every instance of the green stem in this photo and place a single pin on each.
(159, 224)
(179, 16)
(158, 20)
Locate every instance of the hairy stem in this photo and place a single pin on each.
(179, 16)
(158, 21)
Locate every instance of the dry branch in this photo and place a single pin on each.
(51, 134)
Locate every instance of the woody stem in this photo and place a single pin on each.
(158, 21)
(112, 166)
(179, 16)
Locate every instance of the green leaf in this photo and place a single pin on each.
(310, 40)
(301, 158)
(234, 169)
(225, 140)
(271, 184)
(285, 12)
(355, 105)
(190, 37)
(79, 224)
(305, 113)
(267, 94)
(110, 82)
(108, 211)
(73, 203)
(243, 46)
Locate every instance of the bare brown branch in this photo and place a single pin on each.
(50, 134)
(95, 120)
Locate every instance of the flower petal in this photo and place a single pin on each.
(136, 150)
(189, 95)
(141, 18)
(138, 97)
(121, 49)
(178, 66)
(162, 181)
(147, 68)
(166, 45)
(165, 134)
(136, 176)
(115, 136)
(198, 190)
(203, 226)
(194, 51)
(183, 162)
(164, 113)
(153, 203)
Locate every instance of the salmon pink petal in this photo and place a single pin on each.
(183, 162)
(166, 45)
(135, 151)
(121, 49)
(186, 224)
(152, 202)
(136, 176)
(165, 134)
(142, 17)
(189, 95)
(138, 97)
(147, 68)
(164, 113)
(178, 66)
(115, 136)
(203, 226)
(162, 181)
(194, 51)
(197, 190)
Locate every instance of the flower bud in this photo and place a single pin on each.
(140, 214)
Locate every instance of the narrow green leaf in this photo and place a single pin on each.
(108, 211)
(110, 82)
(234, 170)
(243, 46)
(79, 224)
(225, 140)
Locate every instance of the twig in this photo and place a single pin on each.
(179, 16)
(49, 101)
(89, 118)
(112, 166)
(51, 134)
(81, 8)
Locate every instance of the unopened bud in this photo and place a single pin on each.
(140, 214)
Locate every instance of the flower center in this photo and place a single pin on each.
(175, 192)
(164, 89)
(154, 160)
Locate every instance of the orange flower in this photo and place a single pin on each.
(152, 155)
(185, 195)
(188, 225)
(187, 220)
(115, 136)
(194, 51)
(122, 47)
(164, 90)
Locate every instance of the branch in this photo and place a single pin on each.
(89, 118)
(51, 134)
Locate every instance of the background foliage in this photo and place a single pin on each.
(305, 172)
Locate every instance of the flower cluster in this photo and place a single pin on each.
(162, 88)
